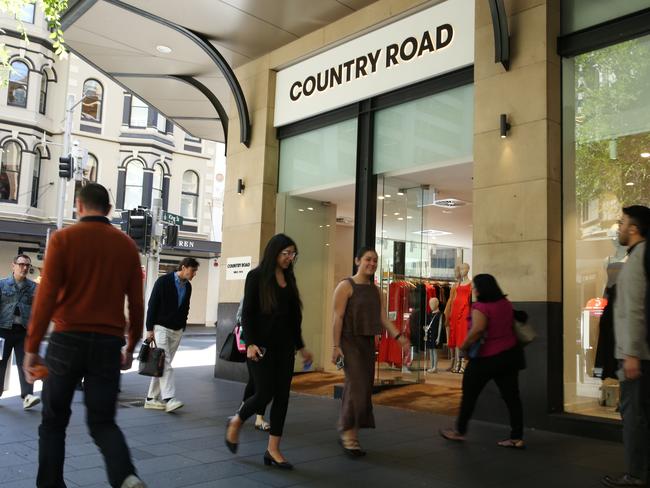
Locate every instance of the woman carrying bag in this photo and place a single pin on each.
(497, 356)
(272, 319)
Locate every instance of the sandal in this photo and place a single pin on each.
(351, 447)
(452, 435)
(263, 426)
(512, 444)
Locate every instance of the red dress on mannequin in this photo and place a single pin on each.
(459, 312)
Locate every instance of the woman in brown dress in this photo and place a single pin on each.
(358, 318)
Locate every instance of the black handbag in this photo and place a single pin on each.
(152, 359)
(229, 350)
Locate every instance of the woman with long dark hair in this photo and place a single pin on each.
(496, 356)
(272, 319)
(358, 318)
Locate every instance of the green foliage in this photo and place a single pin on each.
(53, 9)
(612, 123)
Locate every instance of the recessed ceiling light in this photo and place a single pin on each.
(446, 211)
(310, 208)
(380, 197)
(301, 210)
(645, 154)
(162, 49)
(388, 196)
(396, 213)
(400, 218)
(432, 232)
(629, 183)
(409, 217)
(400, 193)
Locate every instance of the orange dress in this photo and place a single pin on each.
(460, 310)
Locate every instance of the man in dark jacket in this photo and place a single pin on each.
(167, 312)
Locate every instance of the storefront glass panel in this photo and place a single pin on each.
(606, 167)
(434, 130)
(581, 14)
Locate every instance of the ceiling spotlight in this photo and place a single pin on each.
(162, 49)
(396, 213)
(387, 195)
(310, 208)
(629, 183)
(409, 217)
(504, 126)
(645, 154)
(400, 192)
(400, 218)
(301, 210)
(380, 197)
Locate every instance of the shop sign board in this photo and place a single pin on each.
(429, 43)
(237, 268)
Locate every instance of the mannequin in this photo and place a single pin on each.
(458, 314)
(434, 333)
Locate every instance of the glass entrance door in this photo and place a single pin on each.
(401, 260)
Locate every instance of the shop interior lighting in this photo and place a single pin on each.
(396, 213)
(629, 183)
(400, 192)
(240, 186)
(162, 49)
(645, 154)
(380, 197)
(504, 126)
(301, 210)
(310, 208)
(432, 232)
(387, 195)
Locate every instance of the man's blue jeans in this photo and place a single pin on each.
(95, 358)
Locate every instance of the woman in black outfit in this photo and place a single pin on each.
(272, 319)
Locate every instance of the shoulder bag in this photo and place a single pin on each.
(151, 359)
(230, 349)
(524, 331)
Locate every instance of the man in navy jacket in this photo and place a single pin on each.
(167, 312)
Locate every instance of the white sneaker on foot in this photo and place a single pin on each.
(173, 404)
(132, 481)
(154, 404)
(29, 401)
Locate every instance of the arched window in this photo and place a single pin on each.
(42, 102)
(93, 98)
(139, 113)
(12, 155)
(133, 187)
(157, 186)
(90, 174)
(18, 84)
(190, 195)
(36, 178)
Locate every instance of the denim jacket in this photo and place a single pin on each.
(10, 296)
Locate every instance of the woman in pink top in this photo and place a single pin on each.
(499, 358)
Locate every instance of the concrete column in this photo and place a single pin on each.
(517, 186)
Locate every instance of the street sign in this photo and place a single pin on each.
(171, 218)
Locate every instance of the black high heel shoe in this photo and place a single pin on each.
(269, 461)
(232, 446)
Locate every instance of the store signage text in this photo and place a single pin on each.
(431, 42)
(237, 268)
(185, 243)
(391, 55)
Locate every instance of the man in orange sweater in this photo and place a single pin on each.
(89, 268)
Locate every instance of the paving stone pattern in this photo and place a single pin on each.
(186, 448)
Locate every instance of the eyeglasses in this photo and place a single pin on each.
(289, 254)
(23, 264)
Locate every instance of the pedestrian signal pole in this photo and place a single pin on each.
(155, 245)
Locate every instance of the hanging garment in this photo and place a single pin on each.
(605, 349)
(460, 310)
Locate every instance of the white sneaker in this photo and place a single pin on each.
(154, 404)
(132, 481)
(29, 401)
(432, 370)
(173, 404)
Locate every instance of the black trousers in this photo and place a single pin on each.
(635, 411)
(14, 341)
(249, 391)
(96, 358)
(272, 381)
(504, 370)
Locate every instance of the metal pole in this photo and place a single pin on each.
(67, 136)
(153, 257)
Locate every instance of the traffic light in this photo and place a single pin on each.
(65, 167)
(139, 228)
(171, 235)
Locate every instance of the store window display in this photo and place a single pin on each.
(457, 315)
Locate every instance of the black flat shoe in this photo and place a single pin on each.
(269, 461)
(232, 446)
(353, 452)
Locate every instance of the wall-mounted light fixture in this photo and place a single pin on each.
(240, 186)
(504, 126)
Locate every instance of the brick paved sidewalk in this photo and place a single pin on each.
(186, 449)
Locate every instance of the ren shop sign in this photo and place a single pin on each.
(426, 44)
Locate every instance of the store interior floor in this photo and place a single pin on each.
(438, 393)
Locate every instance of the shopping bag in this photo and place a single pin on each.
(152, 359)
(524, 330)
(230, 350)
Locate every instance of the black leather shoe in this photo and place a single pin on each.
(232, 446)
(269, 461)
(621, 481)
